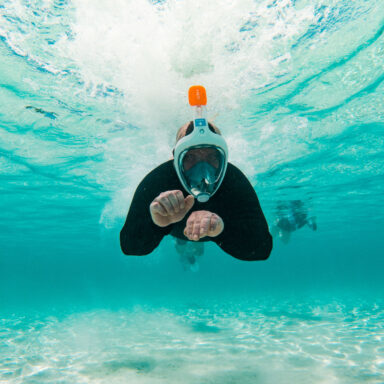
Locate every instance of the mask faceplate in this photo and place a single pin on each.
(201, 170)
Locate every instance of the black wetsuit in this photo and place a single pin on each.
(245, 235)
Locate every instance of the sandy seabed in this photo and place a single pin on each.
(259, 342)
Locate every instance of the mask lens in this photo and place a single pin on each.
(209, 155)
(202, 169)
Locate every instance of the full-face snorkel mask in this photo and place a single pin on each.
(201, 156)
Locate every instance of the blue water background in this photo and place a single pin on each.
(74, 144)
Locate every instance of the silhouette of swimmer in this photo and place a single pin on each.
(50, 115)
(292, 215)
(189, 254)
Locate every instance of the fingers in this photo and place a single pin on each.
(209, 224)
(180, 200)
(171, 202)
(195, 229)
(205, 226)
(201, 224)
(174, 203)
(189, 229)
(214, 222)
(158, 208)
(189, 202)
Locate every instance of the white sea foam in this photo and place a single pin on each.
(117, 73)
(153, 53)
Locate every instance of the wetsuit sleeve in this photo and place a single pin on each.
(246, 235)
(140, 235)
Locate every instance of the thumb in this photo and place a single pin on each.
(189, 201)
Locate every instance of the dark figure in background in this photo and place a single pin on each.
(189, 253)
(292, 215)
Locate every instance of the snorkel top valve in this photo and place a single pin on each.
(197, 96)
(200, 157)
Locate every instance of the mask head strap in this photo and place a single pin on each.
(190, 129)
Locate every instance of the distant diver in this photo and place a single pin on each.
(292, 215)
(197, 196)
(50, 115)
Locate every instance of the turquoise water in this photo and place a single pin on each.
(91, 96)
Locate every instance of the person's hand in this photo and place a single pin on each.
(170, 207)
(203, 223)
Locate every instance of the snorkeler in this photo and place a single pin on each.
(292, 216)
(197, 196)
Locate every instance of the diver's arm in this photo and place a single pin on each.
(245, 235)
(139, 235)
